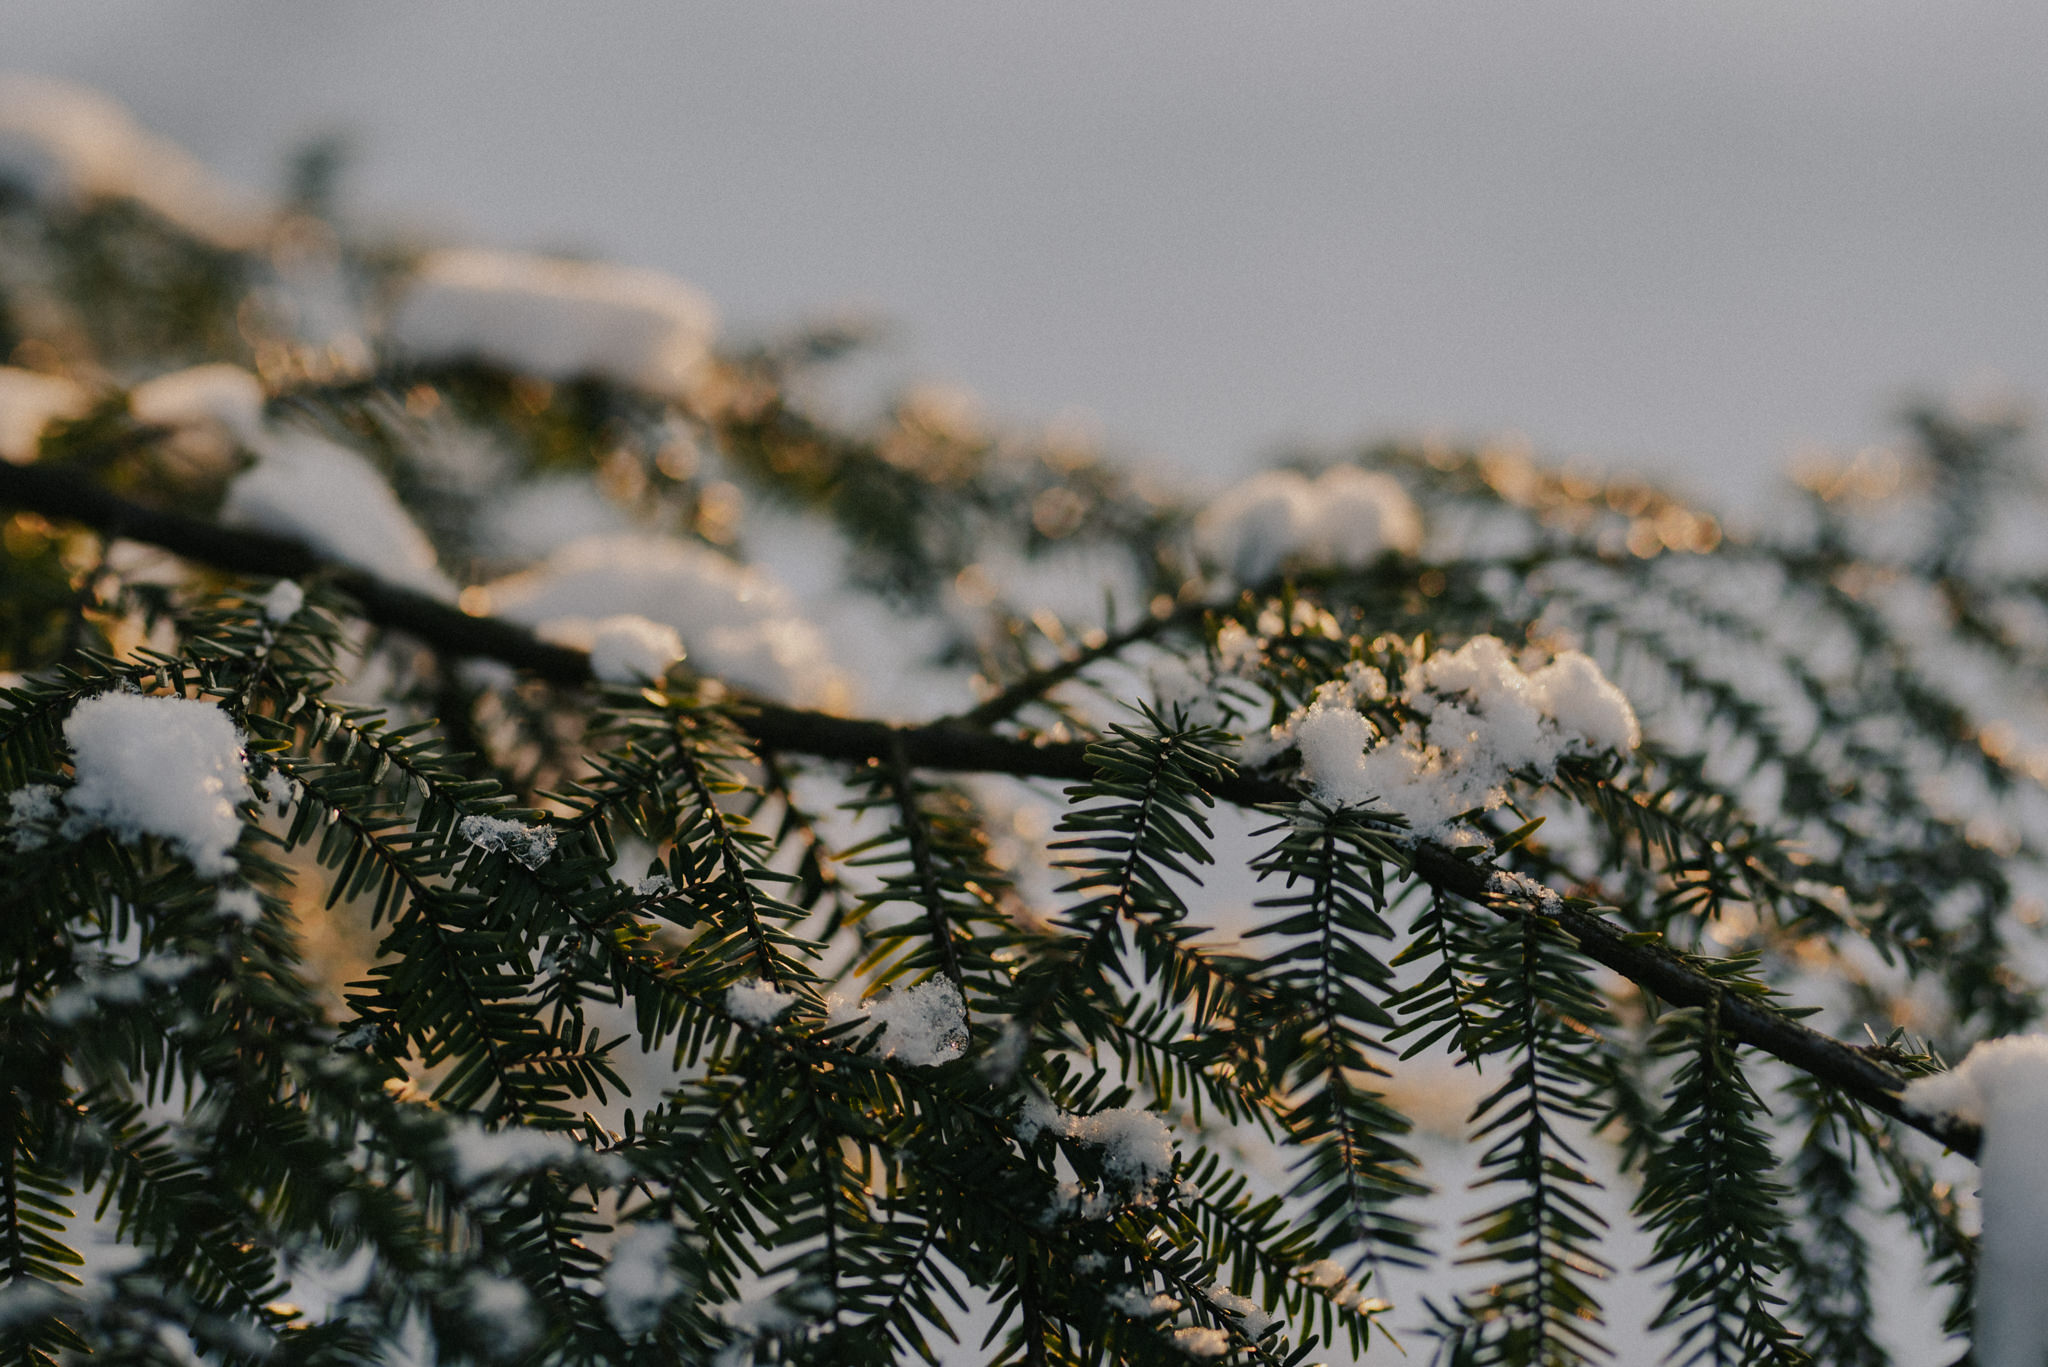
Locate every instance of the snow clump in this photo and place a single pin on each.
(1345, 518)
(333, 499)
(921, 1026)
(1137, 1148)
(32, 812)
(283, 601)
(239, 905)
(737, 623)
(29, 402)
(503, 1310)
(639, 1282)
(757, 1003)
(2003, 1087)
(162, 766)
(120, 986)
(557, 319)
(1482, 718)
(1140, 1305)
(218, 395)
(66, 144)
(530, 845)
(1249, 1314)
(1201, 1343)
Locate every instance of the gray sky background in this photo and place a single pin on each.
(1685, 238)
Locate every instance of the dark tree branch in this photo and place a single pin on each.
(959, 747)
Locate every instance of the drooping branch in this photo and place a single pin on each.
(958, 747)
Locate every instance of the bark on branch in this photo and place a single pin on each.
(959, 747)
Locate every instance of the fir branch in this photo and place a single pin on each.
(946, 746)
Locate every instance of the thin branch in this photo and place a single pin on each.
(957, 747)
(1033, 687)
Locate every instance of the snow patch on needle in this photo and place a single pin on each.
(530, 845)
(1479, 718)
(921, 1026)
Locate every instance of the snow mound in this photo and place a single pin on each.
(168, 767)
(334, 500)
(1344, 518)
(2003, 1086)
(65, 143)
(1482, 719)
(553, 318)
(29, 402)
(737, 623)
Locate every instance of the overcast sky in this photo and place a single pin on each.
(1686, 238)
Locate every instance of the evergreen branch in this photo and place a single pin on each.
(1713, 1210)
(58, 493)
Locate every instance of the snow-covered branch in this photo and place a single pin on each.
(953, 746)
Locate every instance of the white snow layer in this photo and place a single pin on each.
(1484, 719)
(219, 395)
(555, 319)
(2003, 1086)
(737, 623)
(639, 1282)
(29, 402)
(334, 500)
(1345, 518)
(920, 1026)
(169, 767)
(65, 143)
